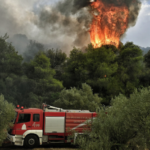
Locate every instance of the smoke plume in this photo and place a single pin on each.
(67, 19)
(73, 18)
(59, 25)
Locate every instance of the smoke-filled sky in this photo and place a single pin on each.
(40, 20)
(140, 33)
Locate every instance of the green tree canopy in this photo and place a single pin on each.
(147, 59)
(10, 71)
(57, 59)
(108, 70)
(125, 126)
(130, 67)
(7, 114)
(10, 61)
(82, 99)
(95, 67)
(40, 72)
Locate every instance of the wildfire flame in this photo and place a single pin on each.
(109, 23)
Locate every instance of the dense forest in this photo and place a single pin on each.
(48, 75)
(92, 79)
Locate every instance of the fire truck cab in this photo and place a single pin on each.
(33, 127)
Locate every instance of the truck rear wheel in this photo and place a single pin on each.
(31, 141)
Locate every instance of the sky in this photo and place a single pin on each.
(140, 33)
(22, 17)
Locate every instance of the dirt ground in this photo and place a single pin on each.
(45, 147)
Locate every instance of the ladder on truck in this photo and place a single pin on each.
(49, 108)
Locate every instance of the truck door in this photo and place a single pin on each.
(24, 123)
(37, 121)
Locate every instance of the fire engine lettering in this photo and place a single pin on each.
(36, 125)
(18, 129)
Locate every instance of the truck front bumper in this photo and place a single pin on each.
(11, 138)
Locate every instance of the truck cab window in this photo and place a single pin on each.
(36, 117)
(24, 118)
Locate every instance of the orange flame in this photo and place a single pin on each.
(108, 24)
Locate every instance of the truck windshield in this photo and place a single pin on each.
(24, 118)
(15, 118)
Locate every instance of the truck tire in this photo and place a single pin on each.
(31, 141)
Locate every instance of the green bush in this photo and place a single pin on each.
(126, 126)
(78, 99)
(7, 114)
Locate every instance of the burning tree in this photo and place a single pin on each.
(110, 20)
(100, 22)
(108, 24)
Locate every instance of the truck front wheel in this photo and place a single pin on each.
(31, 141)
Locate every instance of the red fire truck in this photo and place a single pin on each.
(33, 127)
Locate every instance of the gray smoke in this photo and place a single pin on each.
(20, 42)
(60, 25)
(72, 18)
(25, 47)
(67, 19)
